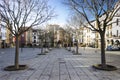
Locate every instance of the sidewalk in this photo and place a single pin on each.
(59, 64)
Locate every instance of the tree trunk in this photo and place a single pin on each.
(17, 53)
(77, 47)
(41, 46)
(70, 47)
(103, 58)
(42, 49)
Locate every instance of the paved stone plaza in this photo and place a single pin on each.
(59, 64)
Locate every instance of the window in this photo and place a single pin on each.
(110, 33)
(117, 22)
(34, 41)
(34, 37)
(117, 33)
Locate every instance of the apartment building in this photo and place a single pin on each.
(89, 37)
(86, 36)
(59, 37)
(115, 30)
(112, 34)
(29, 37)
(35, 37)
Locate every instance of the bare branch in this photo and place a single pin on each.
(24, 13)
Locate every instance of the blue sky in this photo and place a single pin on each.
(61, 10)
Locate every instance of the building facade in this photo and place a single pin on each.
(35, 37)
(3, 37)
(112, 34)
(59, 37)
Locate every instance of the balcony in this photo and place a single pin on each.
(116, 37)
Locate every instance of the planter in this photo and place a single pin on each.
(107, 68)
(41, 54)
(12, 68)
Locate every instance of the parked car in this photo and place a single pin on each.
(112, 48)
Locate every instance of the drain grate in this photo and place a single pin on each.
(31, 69)
(61, 60)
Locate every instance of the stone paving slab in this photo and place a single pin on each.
(60, 64)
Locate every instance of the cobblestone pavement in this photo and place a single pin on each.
(59, 64)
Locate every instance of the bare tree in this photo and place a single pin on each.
(69, 31)
(41, 40)
(20, 15)
(102, 11)
(75, 22)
